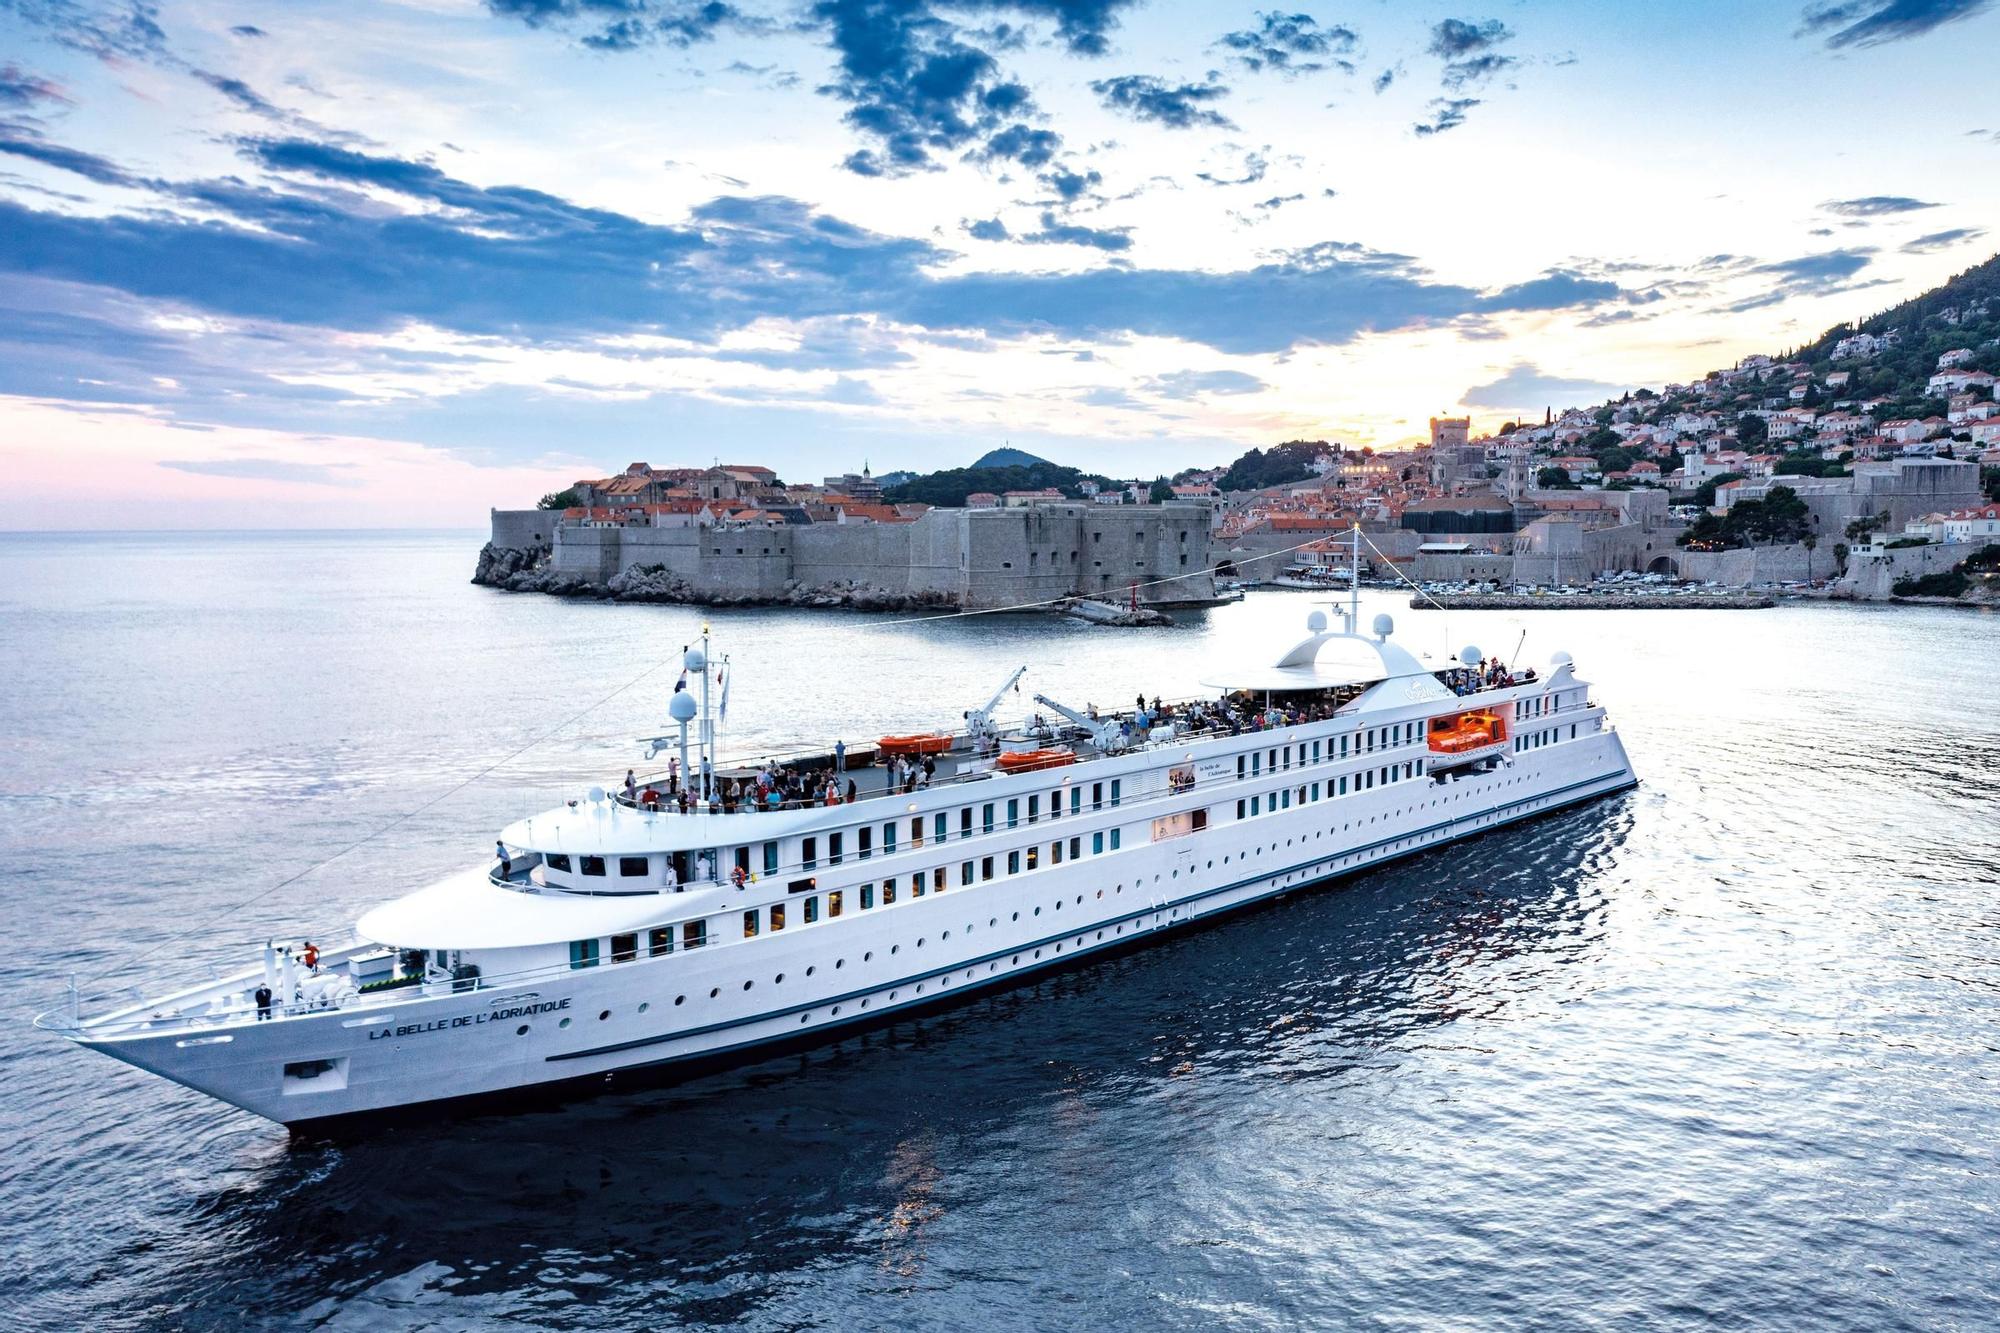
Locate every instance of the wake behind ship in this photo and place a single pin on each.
(658, 925)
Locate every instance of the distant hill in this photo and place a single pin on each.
(950, 487)
(1276, 466)
(1010, 458)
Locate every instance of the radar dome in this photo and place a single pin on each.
(1561, 659)
(1470, 655)
(1384, 626)
(596, 795)
(681, 708)
(1316, 622)
(694, 660)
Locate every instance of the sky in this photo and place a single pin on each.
(391, 264)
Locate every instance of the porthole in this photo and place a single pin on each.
(521, 1031)
(804, 1018)
(894, 994)
(920, 988)
(778, 980)
(811, 970)
(990, 921)
(1038, 911)
(868, 957)
(644, 1005)
(603, 1014)
(746, 985)
(1059, 948)
(1100, 893)
(895, 948)
(864, 1002)
(1079, 900)
(563, 1024)
(839, 963)
(679, 999)
(836, 1011)
(714, 991)
(1015, 917)
(1038, 953)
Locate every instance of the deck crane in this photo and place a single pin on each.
(1107, 734)
(979, 728)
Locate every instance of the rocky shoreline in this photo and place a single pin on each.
(1506, 601)
(510, 569)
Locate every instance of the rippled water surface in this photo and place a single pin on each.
(1717, 1052)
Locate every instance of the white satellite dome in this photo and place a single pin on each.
(682, 707)
(694, 660)
(1560, 659)
(1470, 655)
(1316, 622)
(1385, 625)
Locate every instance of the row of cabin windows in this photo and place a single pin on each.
(939, 830)
(629, 867)
(625, 947)
(1325, 751)
(1535, 740)
(1367, 780)
(934, 880)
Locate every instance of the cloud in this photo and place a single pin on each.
(1278, 201)
(1455, 39)
(1385, 78)
(1193, 383)
(1942, 240)
(1447, 113)
(120, 29)
(1823, 274)
(1292, 44)
(1527, 385)
(625, 25)
(20, 90)
(1875, 205)
(1177, 106)
(1253, 169)
(296, 260)
(1478, 69)
(1054, 231)
(247, 30)
(22, 140)
(1072, 185)
(267, 469)
(1865, 23)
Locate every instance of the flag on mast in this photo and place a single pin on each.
(727, 676)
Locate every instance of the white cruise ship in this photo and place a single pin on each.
(632, 931)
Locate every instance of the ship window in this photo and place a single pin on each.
(1097, 843)
(1285, 799)
(1034, 857)
(624, 948)
(770, 858)
(1114, 840)
(1315, 757)
(1343, 786)
(986, 867)
(965, 822)
(832, 906)
(888, 838)
(742, 858)
(888, 892)
(1034, 808)
(630, 866)
(806, 885)
(1076, 800)
(939, 826)
(1343, 747)
(694, 934)
(917, 885)
(1075, 848)
(986, 817)
(659, 940)
(833, 849)
(1256, 764)
(965, 872)
(1055, 852)
(811, 914)
(1013, 863)
(582, 953)
(808, 853)
(867, 897)
(1315, 791)
(749, 923)
(593, 865)
(864, 836)
(937, 879)
(1253, 805)
(557, 861)
(1273, 761)
(1114, 791)
(1055, 803)
(1097, 796)
(1200, 820)
(917, 831)
(1241, 807)
(778, 915)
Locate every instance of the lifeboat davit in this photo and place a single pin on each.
(931, 743)
(1027, 761)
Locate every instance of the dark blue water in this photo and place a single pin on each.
(1720, 1052)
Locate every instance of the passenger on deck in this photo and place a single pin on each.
(840, 756)
(852, 792)
(673, 777)
(311, 956)
(262, 995)
(631, 789)
(650, 798)
(506, 863)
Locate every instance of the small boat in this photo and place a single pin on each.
(930, 743)
(1027, 761)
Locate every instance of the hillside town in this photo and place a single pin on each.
(1861, 466)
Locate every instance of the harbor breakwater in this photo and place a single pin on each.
(1619, 601)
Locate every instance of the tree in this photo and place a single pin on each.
(563, 499)
(1554, 479)
(1751, 430)
(1704, 494)
(1161, 492)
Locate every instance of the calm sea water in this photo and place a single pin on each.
(1719, 1052)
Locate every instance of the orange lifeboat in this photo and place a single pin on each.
(931, 743)
(1027, 761)
(1466, 731)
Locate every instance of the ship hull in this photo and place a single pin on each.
(660, 1020)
